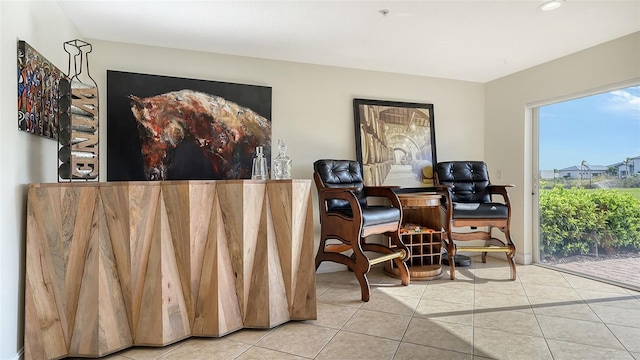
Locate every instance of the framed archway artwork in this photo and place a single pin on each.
(395, 142)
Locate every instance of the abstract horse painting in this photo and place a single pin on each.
(167, 128)
(225, 132)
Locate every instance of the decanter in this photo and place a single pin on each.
(259, 170)
(282, 163)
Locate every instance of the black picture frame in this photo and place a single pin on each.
(125, 162)
(395, 142)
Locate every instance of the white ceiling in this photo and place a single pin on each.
(473, 40)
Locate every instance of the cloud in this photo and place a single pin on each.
(626, 99)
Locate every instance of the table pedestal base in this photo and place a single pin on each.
(424, 272)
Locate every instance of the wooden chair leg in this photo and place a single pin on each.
(360, 268)
(512, 264)
(401, 263)
(365, 289)
(405, 277)
(451, 252)
(320, 253)
(511, 255)
(512, 252)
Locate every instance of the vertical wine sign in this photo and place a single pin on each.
(78, 145)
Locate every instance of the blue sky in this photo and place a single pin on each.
(602, 129)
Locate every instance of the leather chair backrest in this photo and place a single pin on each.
(469, 179)
(341, 174)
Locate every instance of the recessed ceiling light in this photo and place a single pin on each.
(551, 5)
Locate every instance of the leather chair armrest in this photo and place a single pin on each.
(337, 190)
(447, 204)
(502, 191)
(501, 185)
(347, 194)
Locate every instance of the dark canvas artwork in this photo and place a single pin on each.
(169, 128)
(38, 93)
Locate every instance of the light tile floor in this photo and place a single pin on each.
(544, 314)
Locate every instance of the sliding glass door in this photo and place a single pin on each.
(589, 185)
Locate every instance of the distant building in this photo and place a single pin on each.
(548, 174)
(583, 172)
(620, 169)
(628, 167)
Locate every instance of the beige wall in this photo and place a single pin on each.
(509, 127)
(312, 105)
(25, 158)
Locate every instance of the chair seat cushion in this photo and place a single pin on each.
(374, 215)
(480, 211)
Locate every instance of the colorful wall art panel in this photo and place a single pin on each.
(38, 93)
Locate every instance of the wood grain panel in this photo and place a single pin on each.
(217, 306)
(44, 329)
(201, 204)
(111, 265)
(83, 321)
(115, 206)
(303, 272)
(143, 204)
(231, 199)
(114, 328)
(176, 201)
(79, 284)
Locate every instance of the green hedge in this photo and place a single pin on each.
(573, 221)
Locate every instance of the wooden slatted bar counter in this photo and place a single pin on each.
(113, 265)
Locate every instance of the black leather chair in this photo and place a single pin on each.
(469, 204)
(348, 217)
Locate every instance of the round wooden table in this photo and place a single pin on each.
(425, 241)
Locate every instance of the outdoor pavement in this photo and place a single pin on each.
(622, 271)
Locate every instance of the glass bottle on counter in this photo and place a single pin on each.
(259, 170)
(282, 163)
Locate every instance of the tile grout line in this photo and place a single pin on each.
(413, 314)
(473, 317)
(535, 315)
(341, 326)
(600, 318)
